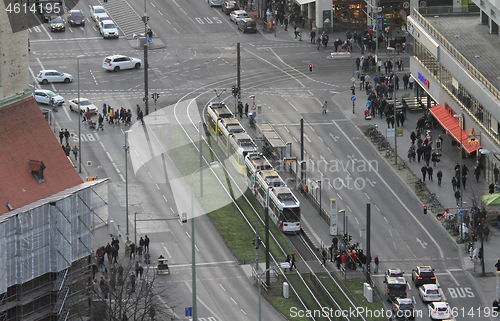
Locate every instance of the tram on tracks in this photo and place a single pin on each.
(284, 208)
(230, 135)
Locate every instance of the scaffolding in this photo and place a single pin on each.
(46, 254)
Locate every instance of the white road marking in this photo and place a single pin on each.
(453, 278)
(385, 218)
(222, 287)
(150, 175)
(390, 232)
(172, 209)
(168, 253)
(199, 300)
(109, 156)
(394, 243)
(348, 208)
(165, 198)
(158, 187)
(356, 219)
(123, 178)
(188, 234)
(234, 301)
(160, 12)
(367, 196)
(377, 207)
(338, 195)
(243, 312)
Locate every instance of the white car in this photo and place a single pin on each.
(215, 3)
(119, 62)
(97, 11)
(439, 310)
(101, 19)
(43, 96)
(429, 293)
(46, 76)
(237, 15)
(84, 104)
(108, 29)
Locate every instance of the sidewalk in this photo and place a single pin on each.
(445, 194)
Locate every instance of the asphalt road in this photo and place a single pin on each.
(200, 56)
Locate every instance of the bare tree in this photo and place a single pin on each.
(123, 294)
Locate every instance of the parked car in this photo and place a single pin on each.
(84, 105)
(237, 15)
(76, 18)
(423, 275)
(247, 25)
(229, 6)
(56, 24)
(46, 76)
(119, 62)
(108, 29)
(429, 293)
(44, 96)
(96, 11)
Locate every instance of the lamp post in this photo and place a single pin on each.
(79, 114)
(319, 201)
(193, 263)
(126, 148)
(394, 100)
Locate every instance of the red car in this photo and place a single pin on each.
(76, 18)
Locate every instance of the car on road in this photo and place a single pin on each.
(247, 25)
(229, 6)
(423, 275)
(44, 96)
(120, 62)
(439, 310)
(76, 18)
(57, 24)
(237, 15)
(429, 293)
(101, 19)
(215, 3)
(393, 273)
(97, 11)
(395, 288)
(108, 29)
(403, 309)
(46, 76)
(84, 104)
(48, 10)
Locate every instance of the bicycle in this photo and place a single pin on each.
(419, 185)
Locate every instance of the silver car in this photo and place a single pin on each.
(120, 62)
(84, 105)
(429, 293)
(46, 76)
(44, 96)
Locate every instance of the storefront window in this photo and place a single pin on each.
(348, 13)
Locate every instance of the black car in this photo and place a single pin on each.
(247, 25)
(403, 309)
(229, 6)
(47, 11)
(423, 275)
(57, 24)
(393, 273)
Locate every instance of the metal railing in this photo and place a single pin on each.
(448, 9)
(457, 55)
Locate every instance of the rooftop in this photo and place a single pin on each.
(27, 141)
(471, 39)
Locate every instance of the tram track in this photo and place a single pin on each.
(305, 256)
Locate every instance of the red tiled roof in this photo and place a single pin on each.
(25, 135)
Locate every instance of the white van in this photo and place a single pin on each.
(215, 3)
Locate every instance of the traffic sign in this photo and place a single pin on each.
(189, 311)
(353, 79)
(89, 163)
(150, 40)
(353, 98)
(254, 114)
(461, 213)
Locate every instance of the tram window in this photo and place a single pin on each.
(291, 214)
(249, 173)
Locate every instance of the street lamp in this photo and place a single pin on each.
(319, 202)
(193, 264)
(126, 147)
(394, 100)
(460, 164)
(79, 114)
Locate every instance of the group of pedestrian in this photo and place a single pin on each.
(240, 109)
(291, 260)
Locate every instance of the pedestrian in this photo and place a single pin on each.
(246, 110)
(67, 150)
(491, 188)
(324, 107)
(146, 244)
(286, 23)
(132, 250)
(152, 313)
(141, 271)
(457, 197)
(323, 254)
(376, 265)
(424, 172)
(454, 183)
(66, 135)
(297, 31)
(410, 81)
(477, 173)
(293, 261)
(141, 117)
(430, 171)
(486, 232)
(240, 109)
(75, 152)
(132, 281)
(287, 260)
(61, 135)
(413, 137)
(313, 35)
(464, 179)
(100, 120)
(96, 286)
(331, 250)
(439, 176)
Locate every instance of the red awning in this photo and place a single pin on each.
(452, 126)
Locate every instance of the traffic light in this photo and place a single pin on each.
(236, 89)
(498, 266)
(349, 238)
(384, 22)
(353, 90)
(258, 242)
(425, 210)
(233, 89)
(310, 67)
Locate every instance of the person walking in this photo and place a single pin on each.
(246, 109)
(323, 254)
(464, 179)
(146, 244)
(293, 262)
(313, 35)
(324, 107)
(454, 183)
(457, 197)
(61, 135)
(413, 137)
(286, 23)
(424, 172)
(376, 265)
(430, 171)
(439, 176)
(477, 173)
(141, 117)
(75, 152)
(66, 135)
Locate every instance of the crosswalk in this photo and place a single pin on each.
(126, 18)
